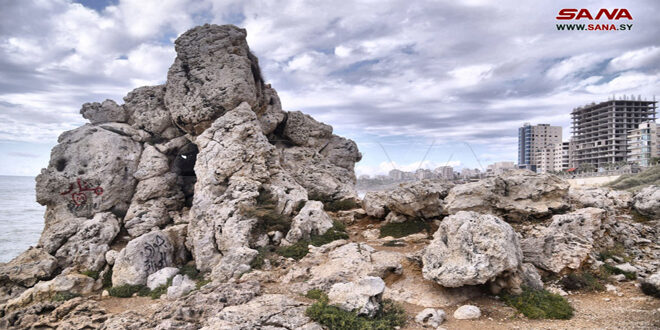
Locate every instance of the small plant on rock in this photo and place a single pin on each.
(390, 316)
(127, 290)
(401, 229)
(91, 273)
(64, 296)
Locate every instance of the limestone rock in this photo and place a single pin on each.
(601, 198)
(303, 130)
(363, 296)
(651, 284)
(28, 268)
(431, 317)
(470, 248)
(152, 163)
(181, 286)
(161, 277)
(467, 312)
(177, 235)
(566, 242)
(311, 220)
(147, 111)
(531, 277)
(99, 113)
(422, 199)
(71, 283)
(234, 263)
(87, 247)
(647, 202)
(515, 195)
(213, 73)
(142, 257)
(340, 262)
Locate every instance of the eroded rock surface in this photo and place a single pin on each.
(420, 199)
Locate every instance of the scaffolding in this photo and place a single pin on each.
(600, 131)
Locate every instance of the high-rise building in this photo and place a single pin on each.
(562, 152)
(643, 144)
(533, 140)
(600, 131)
(445, 172)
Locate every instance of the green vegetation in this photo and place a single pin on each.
(160, 290)
(331, 317)
(609, 269)
(650, 290)
(617, 251)
(191, 271)
(300, 249)
(398, 230)
(315, 294)
(540, 304)
(268, 219)
(584, 281)
(107, 278)
(637, 181)
(333, 205)
(127, 290)
(91, 273)
(64, 296)
(201, 283)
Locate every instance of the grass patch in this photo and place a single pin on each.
(341, 205)
(315, 294)
(617, 251)
(64, 296)
(107, 279)
(331, 317)
(584, 281)
(609, 269)
(636, 181)
(300, 249)
(160, 290)
(650, 290)
(127, 290)
(398, 230)
(540, 304)
(91, 273)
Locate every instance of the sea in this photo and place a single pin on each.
(21, 217)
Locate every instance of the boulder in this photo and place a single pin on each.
(86, 249)
(531, 277)
(142, 257)
(311, 220)
(647, 201)
(430, 317)
(161, 277)
(363, 296)
(419, 199)
(181, 286)
(467, 312)
(146, 111)
(515, 195)
(651, 285)
(470, 248)
(234, 263)
(99, 113)
(28, 268)
(75, 284)
(602, 198)
(566, 242)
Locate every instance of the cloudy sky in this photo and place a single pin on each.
(404, 75)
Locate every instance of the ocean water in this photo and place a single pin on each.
(21, 217)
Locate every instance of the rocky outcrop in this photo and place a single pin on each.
(647, 202)
(566, 242)
(142, 257)
(471, 249)
(28, 268)
(515, 195)
(363, 296)
(311, 220)
(603, 198)
(420, 199)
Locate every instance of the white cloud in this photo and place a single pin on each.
(635, 59)
(573, 66)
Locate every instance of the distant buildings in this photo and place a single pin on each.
(562, 152)
(534, 143)
(445, 172)
(500, 167)
(643, 144)
(601, 131)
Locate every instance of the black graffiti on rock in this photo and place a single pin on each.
(156, 255)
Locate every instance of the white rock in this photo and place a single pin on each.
(311, 220)
(181, 286)
(141, 257)
(363, 296)
(161, 277)
(431, 317)
(627, 267)
(371, 234)
(467, 312)
(647, 201)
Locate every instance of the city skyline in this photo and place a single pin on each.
(397, 76)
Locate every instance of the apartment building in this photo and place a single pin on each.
(445, 172)
(600, 131)
(533, 143)
(643, 144)
(561, 156)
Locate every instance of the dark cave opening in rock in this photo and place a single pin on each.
(184, 166)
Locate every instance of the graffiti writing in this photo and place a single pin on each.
(155, 258)
(79, 198)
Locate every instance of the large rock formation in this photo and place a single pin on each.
(196, 152)
(420, 199)
(647, 202)
(515, 195)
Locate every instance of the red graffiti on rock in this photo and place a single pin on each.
(79, 198)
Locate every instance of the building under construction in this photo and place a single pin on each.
(600, 131)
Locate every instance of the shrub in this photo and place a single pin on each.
(650, 290)
(160, 290)
(64, 296)
(635, 181)
(340, 205)
(107, 278)
(582, 281)
(609, 269)
(540, 304)
(296, 251)
(315, 294)
(398, 230)
(390, 316)
(300, 249)
(190, 271)
(91, 273)
(127, 290)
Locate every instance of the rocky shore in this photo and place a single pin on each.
(202, 204)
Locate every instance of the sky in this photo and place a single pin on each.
(404, 79)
